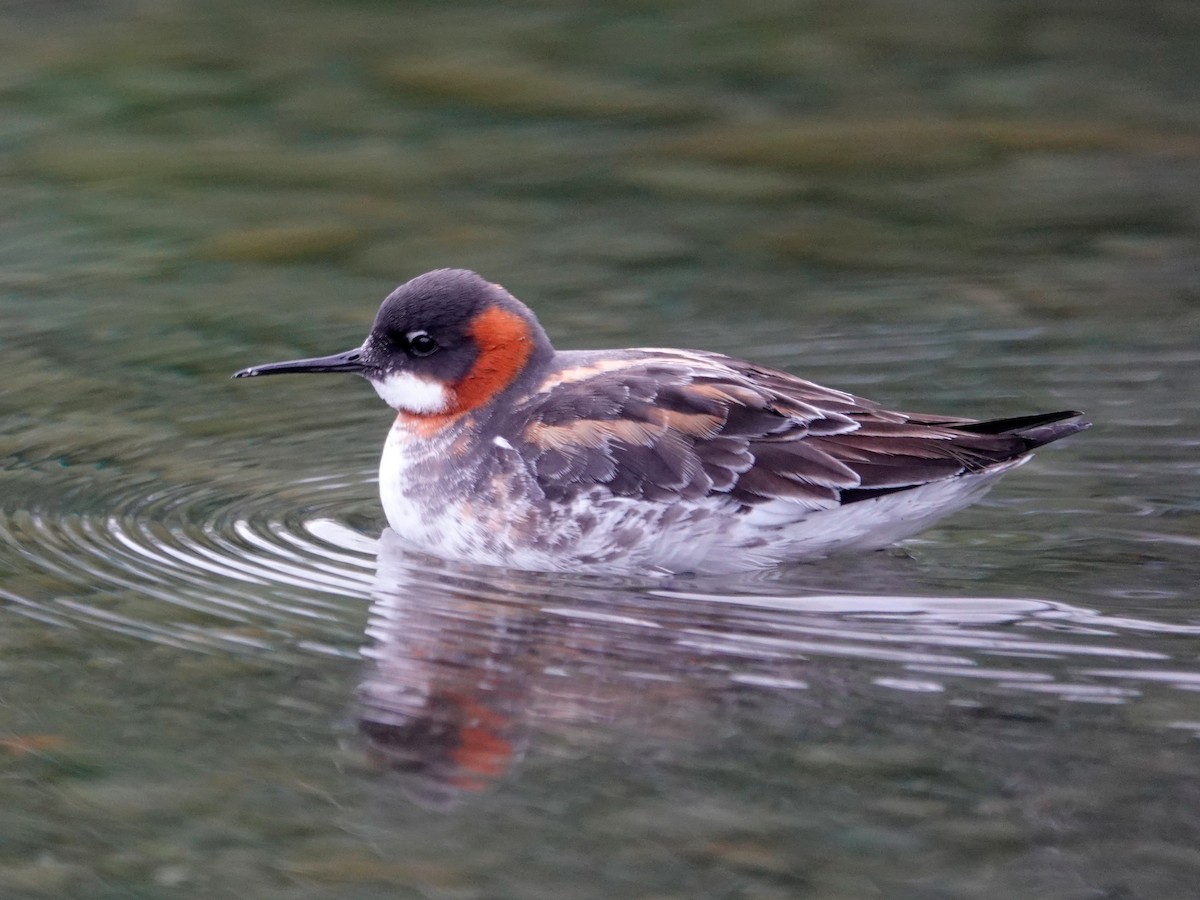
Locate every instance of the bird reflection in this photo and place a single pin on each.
(463, 662)
(444, 699)
(468, 665)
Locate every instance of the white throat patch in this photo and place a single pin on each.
(408, 393)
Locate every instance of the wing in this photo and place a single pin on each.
(664, 424)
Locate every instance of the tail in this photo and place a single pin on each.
(1035, 430)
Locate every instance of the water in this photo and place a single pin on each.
(217, 679)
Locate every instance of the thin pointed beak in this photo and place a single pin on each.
(350, 361)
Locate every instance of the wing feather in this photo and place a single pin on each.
(659, 424)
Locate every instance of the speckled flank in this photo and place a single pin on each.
(490, 509)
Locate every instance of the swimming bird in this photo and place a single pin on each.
(507, 452)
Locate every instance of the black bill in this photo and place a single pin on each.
(350, 361)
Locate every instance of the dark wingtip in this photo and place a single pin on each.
(1053, 431)
(1035, 430)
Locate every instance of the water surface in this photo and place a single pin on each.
(219, 675)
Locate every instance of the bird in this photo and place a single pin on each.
(507, 452)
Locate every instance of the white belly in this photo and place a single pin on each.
(409, 499)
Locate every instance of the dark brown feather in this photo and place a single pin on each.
(664, 424)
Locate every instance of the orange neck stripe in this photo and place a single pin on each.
(505, 345)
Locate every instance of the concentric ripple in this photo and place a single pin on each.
(192, 564)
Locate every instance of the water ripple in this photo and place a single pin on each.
(189, 564)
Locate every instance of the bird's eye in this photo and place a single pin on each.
(421, 343)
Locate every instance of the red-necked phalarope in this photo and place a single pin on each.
(508, 452)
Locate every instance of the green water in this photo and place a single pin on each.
(216, 680)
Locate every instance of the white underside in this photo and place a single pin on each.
(706, 537)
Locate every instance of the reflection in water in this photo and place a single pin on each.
(468, 667)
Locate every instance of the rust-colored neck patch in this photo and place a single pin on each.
(505, 345)
(425, 425)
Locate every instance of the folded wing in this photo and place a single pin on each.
(661, 425)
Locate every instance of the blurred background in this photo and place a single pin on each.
(972, 207)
